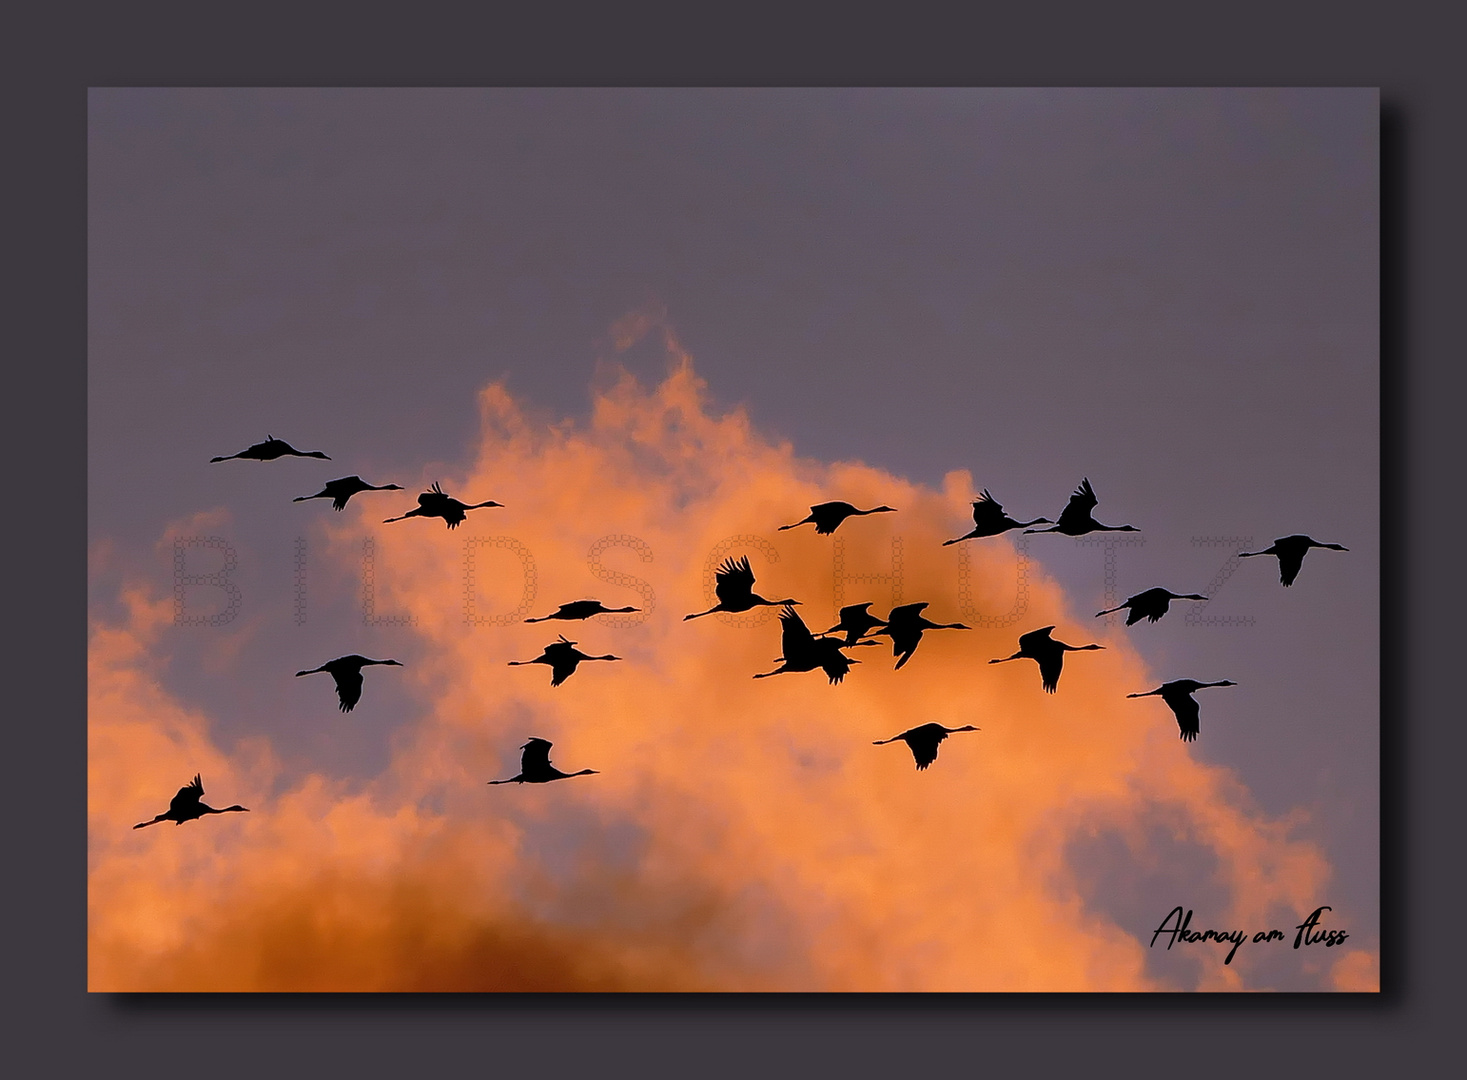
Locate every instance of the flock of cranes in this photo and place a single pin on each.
(801, 649)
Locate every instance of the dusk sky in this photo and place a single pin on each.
(657, 325)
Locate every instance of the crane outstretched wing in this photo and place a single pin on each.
(795, 639)
(1290, 563)
(829, 515)
(1150, 605)
(188, 796)
(535, 757)
(734, 580)
(924, 746)
(902, 628)
(1049, 670)
(348, 687)
(1034, 639)
(1076, 513)
(1188, 714)
(856, 621)
(342, 490)
(833, 662)
(904, 644)
(905, 613)
(987, 509)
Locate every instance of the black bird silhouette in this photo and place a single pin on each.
(857, 621)
(1151, 604)
(803, 651)
(924, 741)
(1291, 551)
(1178, 696)
(990, 520)
(733, 584)
(269, 450)
(905, 625)
(185, 806)
(562, 657)
(339, 491)
(582, 609)
(1038, 646)
(1075, 519)
(828, 516)
(433, 503)
(535, 767)
(347, 671)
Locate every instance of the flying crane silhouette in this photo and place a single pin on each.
(1178, 696)
(269, 450)
(803, 651)
(535, 767)
(1075, 519)
(582, 609)
(339, 491)
(924, 740)
(1290, 551)
(433, 503)
(905, 624)
(347, 671)
(857, 621)
(562, 657)
(1048, 653)
(828, 516)
(186, 806)
(733, 584)
(990, 520)
(1151, 604)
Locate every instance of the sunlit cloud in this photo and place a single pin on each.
(1358, 970)
(739, 833)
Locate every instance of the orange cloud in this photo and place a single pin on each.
(740, 833)
(1357, 971)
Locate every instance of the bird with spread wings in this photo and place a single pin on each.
(733, 584)
(347, 673)
(434, 503)
(562, 657)
(990, 520)
(1178, 696)
(535, 767)
(1048, 653)
(803, 651)
(827, 517)
(1290, 551)
(188, 805)
(1075, 519)
(923, 741)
